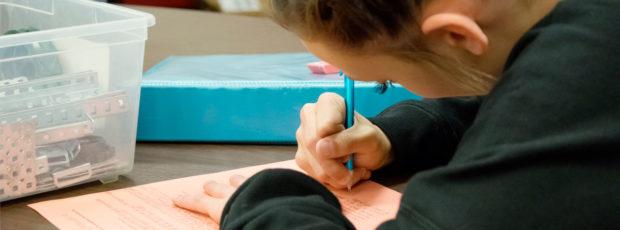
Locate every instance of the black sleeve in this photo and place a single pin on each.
(283, 199)
(424, 134)
(543, 151)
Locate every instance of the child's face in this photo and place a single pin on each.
(418, 78)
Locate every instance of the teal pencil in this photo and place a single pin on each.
(349, 99)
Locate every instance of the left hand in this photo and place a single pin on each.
(213, 199)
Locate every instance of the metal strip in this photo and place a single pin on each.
(13, 81)
(49, 83)
(65, 132)
(24, 95)
(74, 112)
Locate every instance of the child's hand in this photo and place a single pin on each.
(324, 144)
(213, 200)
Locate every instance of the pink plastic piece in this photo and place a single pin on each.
(322, 67)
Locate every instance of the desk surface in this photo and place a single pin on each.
(181, 32)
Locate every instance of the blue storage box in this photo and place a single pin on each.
(241, 98)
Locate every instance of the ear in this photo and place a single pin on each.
(457, 30)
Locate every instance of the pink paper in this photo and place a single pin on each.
(150, 206)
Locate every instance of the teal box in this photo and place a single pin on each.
(241, 98)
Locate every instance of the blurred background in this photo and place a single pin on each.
(244, 7)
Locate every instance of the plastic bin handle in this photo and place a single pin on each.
(73, 175)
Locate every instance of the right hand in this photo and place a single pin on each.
(324, 144)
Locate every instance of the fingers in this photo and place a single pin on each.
(308, 163)
(302, 162)
(323, 142)
(350, 178)
(366, 175)
(331, 171)
(359, 138)
(306, 141)
(307, 114)
(237, 180)
(330, 114)
(307, 131)
(335, 172)
(206, 205)
(217, 190)
(360, 174)
(215, 196)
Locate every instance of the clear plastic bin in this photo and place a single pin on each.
(70, 73)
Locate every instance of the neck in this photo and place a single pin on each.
(505, 24)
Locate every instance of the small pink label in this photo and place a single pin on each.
(322, 67)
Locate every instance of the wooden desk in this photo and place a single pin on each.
(181, 32)
(154, 162)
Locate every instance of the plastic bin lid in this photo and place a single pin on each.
(135, 20)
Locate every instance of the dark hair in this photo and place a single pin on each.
(348, 23)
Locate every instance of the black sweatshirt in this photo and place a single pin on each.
(541, 151)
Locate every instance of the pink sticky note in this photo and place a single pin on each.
(322, 67)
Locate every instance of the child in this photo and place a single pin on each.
(540, 149)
